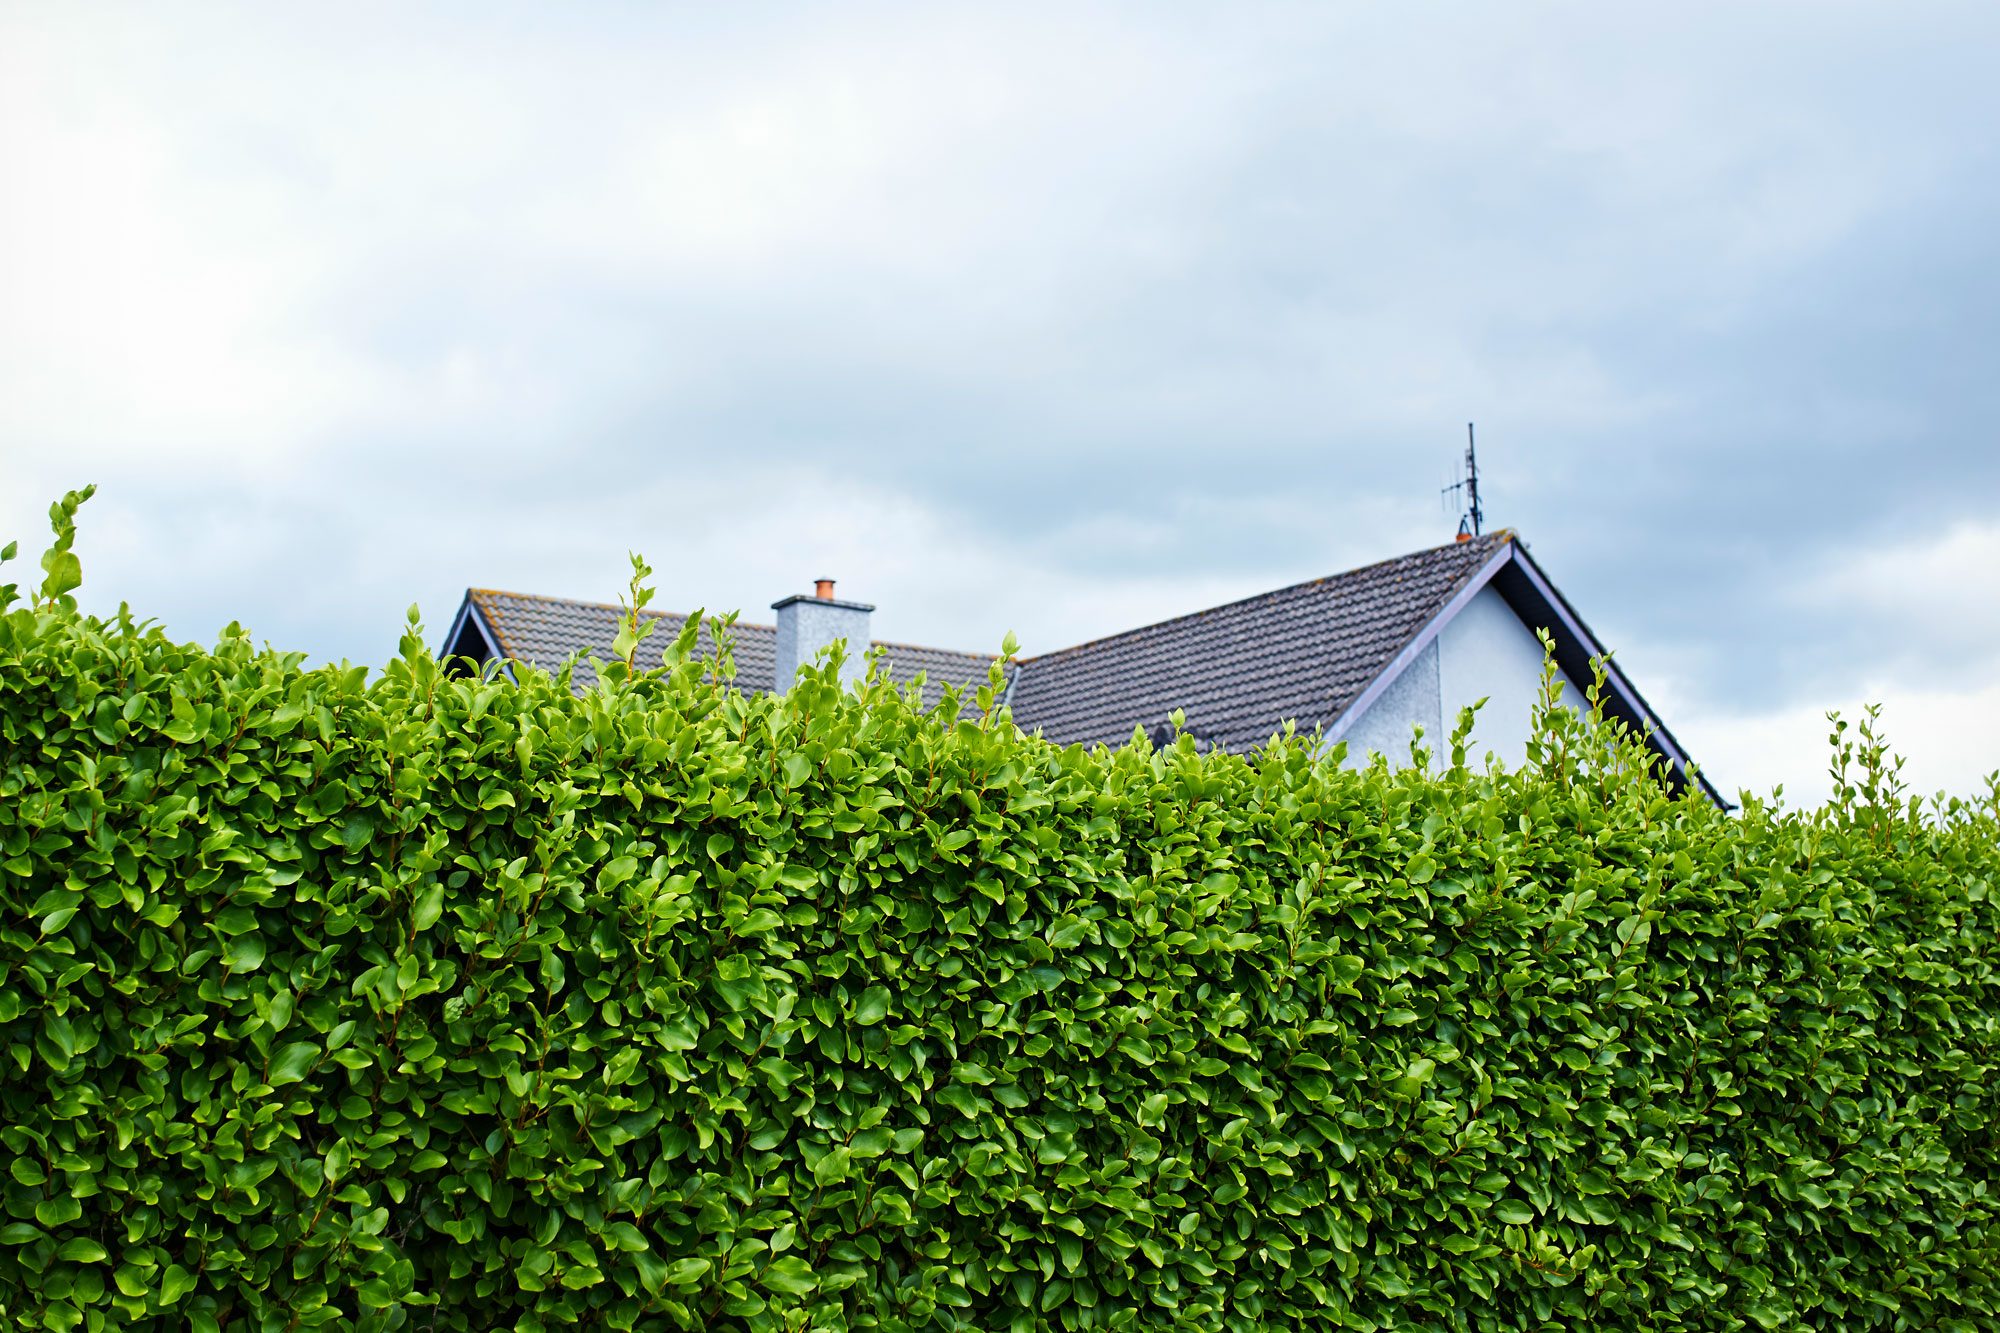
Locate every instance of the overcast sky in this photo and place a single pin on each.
(1058, 319)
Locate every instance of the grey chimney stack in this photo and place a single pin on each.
(808, 624)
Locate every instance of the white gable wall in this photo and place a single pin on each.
(1486, 652)
(1482, 652)
(1411, 700)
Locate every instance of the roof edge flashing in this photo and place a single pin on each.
(1423, 638)
(1577, 647)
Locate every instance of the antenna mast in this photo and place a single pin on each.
(1473, 520)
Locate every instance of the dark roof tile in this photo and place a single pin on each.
(545, 632)
(1302, 653)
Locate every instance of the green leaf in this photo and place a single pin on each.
(626, 1237)
(685, 1272)
(621, 1067)
(782, 1073)
(652, 1271)
(58, 1211)
(790, 1275)
(832, 1168)
(1068, 933)
(292, 1063)
(81, 1251)
(175, 1283)
(245, 953)
(65, 574)
(430, 906)
(1413, 1078)
(872, 1007)
(60, 1033)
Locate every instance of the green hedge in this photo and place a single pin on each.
(439, 1003)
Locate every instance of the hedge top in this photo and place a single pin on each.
(422, 1002)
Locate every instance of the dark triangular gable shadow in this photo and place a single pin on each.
(1513, 573)
(471, 643)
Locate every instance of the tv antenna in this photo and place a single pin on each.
(1472, 518)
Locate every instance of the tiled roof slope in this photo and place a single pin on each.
(1302, 653)
(547, 631)
(1239, 671)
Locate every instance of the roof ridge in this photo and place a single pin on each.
(1499, 536)
(547, 600)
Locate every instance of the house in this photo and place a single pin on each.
(1363, 655)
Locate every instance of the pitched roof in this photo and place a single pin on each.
(1317, 653)
(1305, 653)
(545, 632)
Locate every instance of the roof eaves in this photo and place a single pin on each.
(1584, 645)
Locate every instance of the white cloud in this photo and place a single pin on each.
(1928, 606)
(744, 541)
(1935, 598)
(148, 314)
(1949, 741)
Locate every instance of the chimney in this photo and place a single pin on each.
(807, 625)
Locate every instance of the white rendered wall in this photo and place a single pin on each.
(1411, 700)
(1484, 652)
